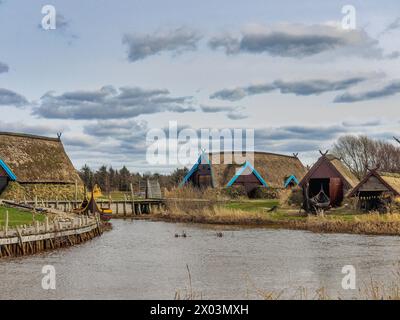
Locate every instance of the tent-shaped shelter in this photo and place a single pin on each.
(331, 176)
(375, 189)
(248, 177)
(200, 175)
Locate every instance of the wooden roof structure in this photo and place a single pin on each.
(247, 169)
(273, 168)
(36, 159)
(376, 181)
(335, 164)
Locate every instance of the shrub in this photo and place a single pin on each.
(296, 197)
(264, 193)
(235, 192)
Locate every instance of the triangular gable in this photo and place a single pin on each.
(315, 167)
(372, 173)
(247, 165)
(290, 179)
(203, 159)
(9, 172)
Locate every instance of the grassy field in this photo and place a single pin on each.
(257, 213)
(18, 217)
(252, 205)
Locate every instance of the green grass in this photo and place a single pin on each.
(252, 205)
(18, 217)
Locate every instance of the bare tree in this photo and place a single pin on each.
(361, 153)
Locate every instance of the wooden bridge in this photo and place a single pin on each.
(120, 208)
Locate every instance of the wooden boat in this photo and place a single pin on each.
(321, 200)
(90, 207)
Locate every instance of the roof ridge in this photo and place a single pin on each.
(259, 152)
(27, 135)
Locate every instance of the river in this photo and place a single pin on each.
(144, 260)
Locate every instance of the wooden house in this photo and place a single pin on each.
(331, 176)
(223, 169)
(200, 175)
(376, 190)
(35, 166)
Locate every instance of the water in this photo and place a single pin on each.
(144, 260)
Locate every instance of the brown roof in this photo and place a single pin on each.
(273, 168)
(391, 182)
(36, 159)
(337, 165)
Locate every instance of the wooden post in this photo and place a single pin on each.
(132, 199)
(36, 202)
(47, 224)
(6, 224)
(76, 194)
(124, 205)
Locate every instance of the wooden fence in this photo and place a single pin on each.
(19, 241)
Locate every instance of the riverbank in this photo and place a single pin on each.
(267, 214)
(18, 217)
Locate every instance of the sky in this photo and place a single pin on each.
(113, 70)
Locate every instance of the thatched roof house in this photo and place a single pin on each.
(330, 175)
(257, 169)
(375, 183)
(375, 189)
(33, 160)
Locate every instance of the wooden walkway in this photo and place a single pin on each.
(120, 208)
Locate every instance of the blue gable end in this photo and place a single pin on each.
(10, 174)
(203, 158)
(241, 170)
(292, 178)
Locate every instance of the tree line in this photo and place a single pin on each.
(110, 179)
(361, 153)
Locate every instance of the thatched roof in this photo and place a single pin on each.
(388, 182)
(393, 180)
(336, 164)
(273, 168)
(36, 159)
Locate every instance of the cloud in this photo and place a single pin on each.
(369, 123)
(127, 130)
(297, 41)
(313, 133)
(110, 103)
(394, 25)
(235, 115)
(300, 88)
(62, 22)
(37, 129)
(316, 87)
(388, 90)
(213, 109)
(11, 98)
(141, 46)
(3, 67)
